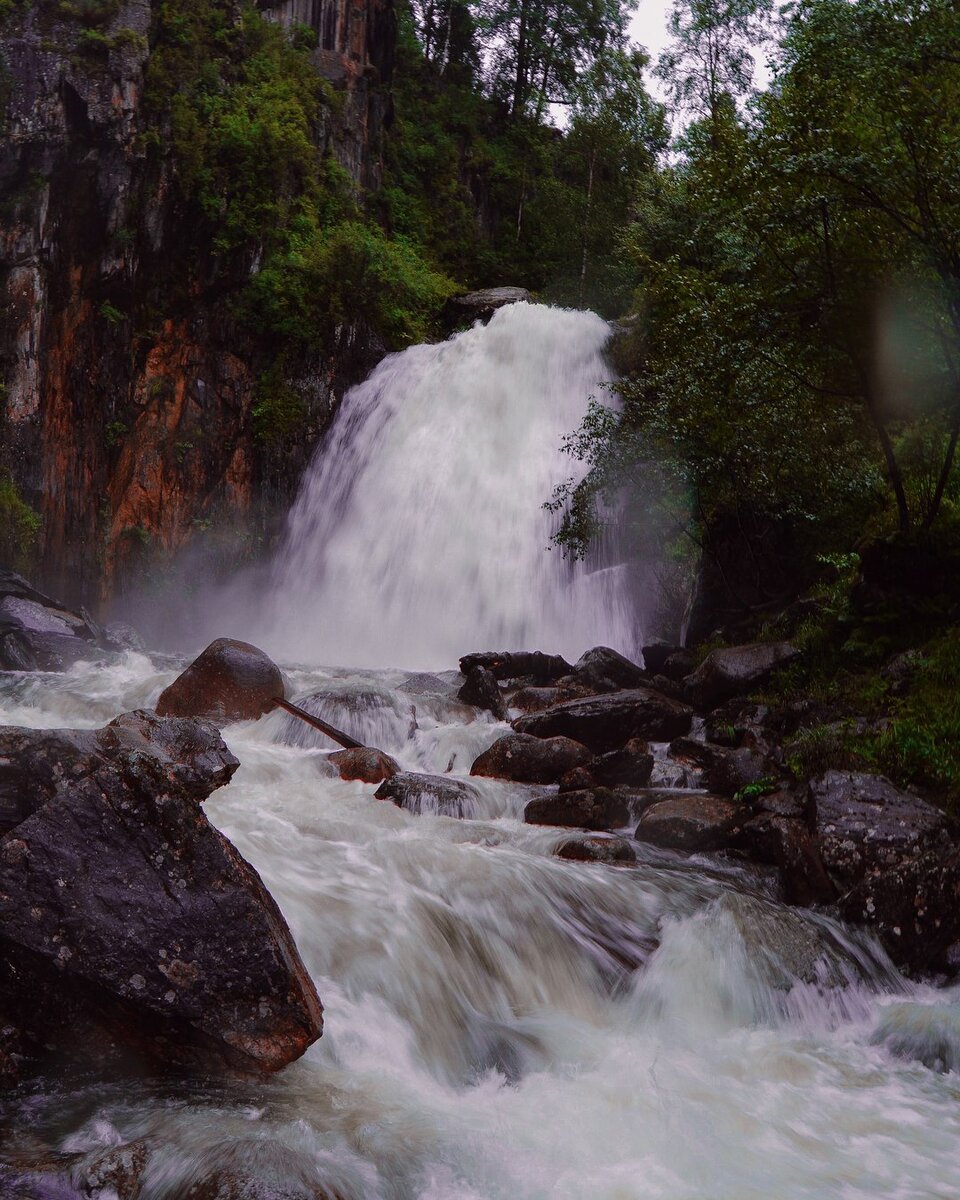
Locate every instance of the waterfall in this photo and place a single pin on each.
(419, 533)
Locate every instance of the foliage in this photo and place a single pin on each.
(19, 527)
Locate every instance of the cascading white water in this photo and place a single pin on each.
(503, 1025)
(419, 532)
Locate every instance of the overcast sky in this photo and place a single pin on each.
(649, 25)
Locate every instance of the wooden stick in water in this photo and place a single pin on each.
(342, 738)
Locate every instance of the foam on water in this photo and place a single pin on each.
(419, 532)
(502, 1025)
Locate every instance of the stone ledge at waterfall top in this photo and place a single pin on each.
(133, 934)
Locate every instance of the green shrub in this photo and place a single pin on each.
(19, 527)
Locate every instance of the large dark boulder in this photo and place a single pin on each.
(631, 766)
(603, 669)
(725, 770)
(131, 931)
(38, 633)
(735, 670)
(598, 847)
(600, 809)
(690, 822)
(863, 822)
(608, 722)
(429, 793)
(229, 681)
(480, 689)
(527, 759)
(785, 842)
(530, 665)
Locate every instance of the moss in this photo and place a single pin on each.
(279, 412)
(19, 527)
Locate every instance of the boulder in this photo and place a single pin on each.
(480, 688)
(598, 847)
(229, 681)
(38, 633)
(605, 723)
(632, 765)
(527, 759)
(486, 301)
(532, 665)
(366, 764)
(605, 670)
(132, 933)
(786, 843)
(725, 770)
(536, 699)
(691, 822)
(862, 822)
(576, 780)
(655, 654)
(735, 670)
(429, 793)
(598, 809)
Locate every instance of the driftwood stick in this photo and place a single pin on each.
(342, 738)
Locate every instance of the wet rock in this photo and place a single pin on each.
(691, 822)
(531, 665)
(527, 759)
(735, 670)
(678, 666)
(485, 302)
(422, 683)
(38, 633)
(366, 764)
(536, 699)
(480, 688)
(604, 669)
(118, 635)
(132, 933)
(600, 809)
(429, 793)
(229, 681)
(655, 654)
(605, 723)
(576, 780)
(115, 1172)
(787, 844)
(925, 1033)
(258, 1168)
(601, 848)
(725, 771)
(863, 822)
(632, 765)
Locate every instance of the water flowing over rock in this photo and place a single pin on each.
(419, 528)
(229, 681)
(133, 933)
(608, 722)
(429, 793)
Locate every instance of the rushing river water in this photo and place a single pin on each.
(501, 1024)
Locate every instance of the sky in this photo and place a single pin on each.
(649, 25)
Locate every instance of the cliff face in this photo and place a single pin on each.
(130, 387)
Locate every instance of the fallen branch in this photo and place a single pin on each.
(342, 739)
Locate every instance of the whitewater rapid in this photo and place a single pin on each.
(419, 531)
(503, 1025)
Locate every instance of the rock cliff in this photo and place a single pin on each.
(130, 383)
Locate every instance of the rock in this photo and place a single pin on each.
(632, 765)
(259, 1168)
(691, 822)
(926, 1033)
(429, 794)
(480, 688)
(786, 843)
(485, 302)
(38, 633)
(605, 723)
(655, 654)
(422, 683)
(576, 780)
(116, 1171)
(527, 759)
(366, 764)
(599, 809)
(229, 681)
(132, 933)
(532, 665)
(599, 847)
(863, 822)
(735, 670)
(678, 666)
(726, 771)
(605, 669)
(536, 699)
(118, 635)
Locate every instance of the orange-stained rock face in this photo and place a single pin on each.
(128, 383)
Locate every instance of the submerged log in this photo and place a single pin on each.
(342, 739)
